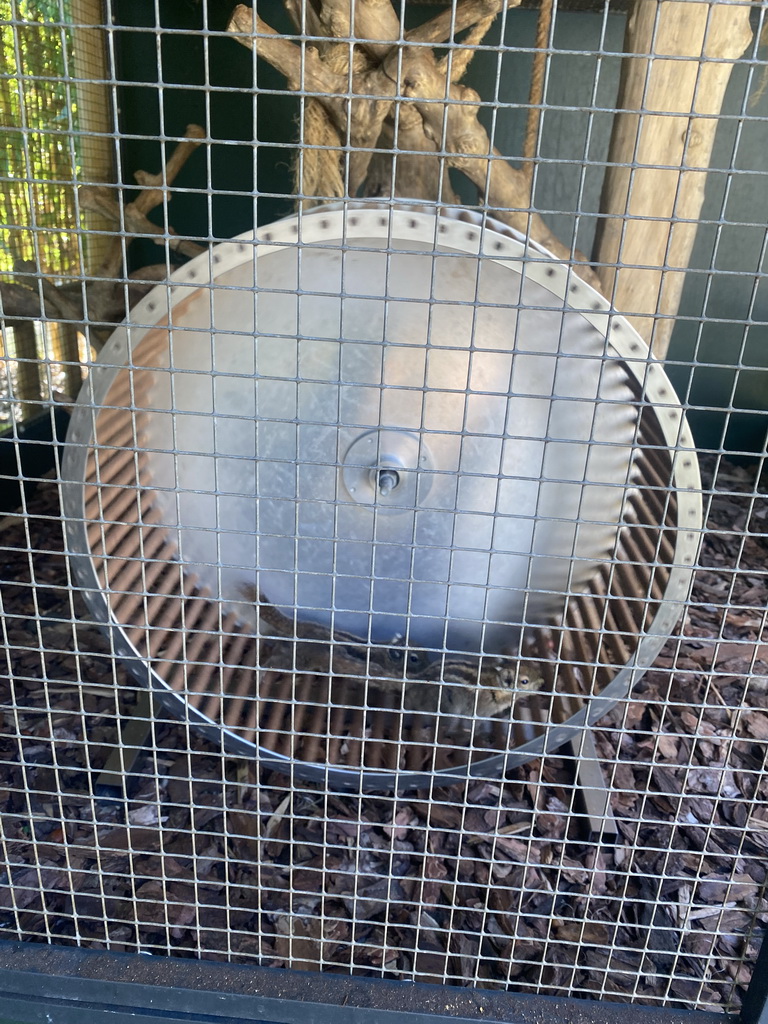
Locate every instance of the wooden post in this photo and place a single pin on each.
(665, 129)
(94, 115)
(96, 148)
(65, 350)
(27, 390)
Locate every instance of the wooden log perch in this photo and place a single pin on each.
(152, 195)
(397, 97)
(467, 14)
(105, 299)
(101, 199)
(469, 150)
(660, 152)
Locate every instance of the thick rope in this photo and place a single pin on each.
(762, 85)
(536, 94)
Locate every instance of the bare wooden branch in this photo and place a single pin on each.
(107, 301)
(358, 119)
(302, 67)
(392, 75)
(456, 62)
(318, 168)
(94, 305)
(377, 25)
(53, 296)
(28, 390)
(147, 200)
(420, 173)
(101, 198)
(467, 13)
(658, 159)
(19, 301)
(468, 146)
(304, 17)
(319, 171)
(305, 71)
(193, 136)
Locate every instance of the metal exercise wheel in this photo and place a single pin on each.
(401, 421)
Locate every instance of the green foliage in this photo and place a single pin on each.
(38, 123)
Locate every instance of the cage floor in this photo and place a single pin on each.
(490, 883)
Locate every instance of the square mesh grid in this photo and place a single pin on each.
(629, 864)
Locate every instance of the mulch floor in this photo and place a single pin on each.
(493, 883)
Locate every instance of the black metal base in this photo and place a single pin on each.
(67, 985)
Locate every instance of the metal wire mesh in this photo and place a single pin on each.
(622, 860)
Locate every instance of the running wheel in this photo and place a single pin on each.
(400, 421)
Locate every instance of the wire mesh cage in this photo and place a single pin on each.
(362, 614)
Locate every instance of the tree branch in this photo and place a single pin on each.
(456, 129)
(147, 200)
(101, 199)
(437, 127)
(97, 303)
(357, 117)
(107, 301)
(445, 25)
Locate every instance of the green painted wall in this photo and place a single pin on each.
(723, 318)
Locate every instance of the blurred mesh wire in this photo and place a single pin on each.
(122, 826)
